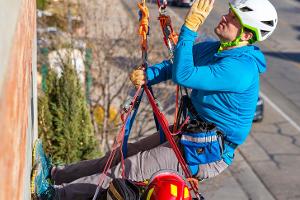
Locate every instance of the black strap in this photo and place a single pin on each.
(186, 106)
(120, 189)
(232, 145)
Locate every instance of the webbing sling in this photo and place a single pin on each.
(129, 123)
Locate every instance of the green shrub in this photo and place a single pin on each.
(41, 4)
(64, 119)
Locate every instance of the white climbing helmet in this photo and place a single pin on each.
(259, 16)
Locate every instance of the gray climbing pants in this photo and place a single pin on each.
(144, 158)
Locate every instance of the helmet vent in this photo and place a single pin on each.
(263, 33)
(269, 23)
(245, 9)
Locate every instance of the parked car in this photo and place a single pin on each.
(259, 112)
(185, 3)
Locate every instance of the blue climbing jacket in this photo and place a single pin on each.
(225, 85)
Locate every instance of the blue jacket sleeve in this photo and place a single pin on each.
(159, 72)
(227, 74)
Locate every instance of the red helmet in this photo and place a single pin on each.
(167, 185)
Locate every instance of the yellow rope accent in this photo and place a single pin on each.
(32, 184)
(150, 193)
(115, 192)
(34, 171)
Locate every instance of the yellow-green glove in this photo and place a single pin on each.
(198, 13)
(138, 77)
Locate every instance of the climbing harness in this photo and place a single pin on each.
(130, 109)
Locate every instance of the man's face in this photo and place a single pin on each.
(229, 27)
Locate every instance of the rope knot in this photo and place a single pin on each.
(144, 24)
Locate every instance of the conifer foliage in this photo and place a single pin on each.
(64, 120)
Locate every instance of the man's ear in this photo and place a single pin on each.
(246, 36)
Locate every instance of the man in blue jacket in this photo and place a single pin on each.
(224, 75)
(224, 78)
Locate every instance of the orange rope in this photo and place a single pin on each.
(144, 24)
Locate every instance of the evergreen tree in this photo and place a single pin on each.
(41, 4)
(64, 120)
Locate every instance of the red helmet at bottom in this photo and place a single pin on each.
(167, 185)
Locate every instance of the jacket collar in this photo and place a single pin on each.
(235, 51)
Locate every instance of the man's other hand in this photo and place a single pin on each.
(198, 13)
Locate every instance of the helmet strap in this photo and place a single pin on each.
(235, 42)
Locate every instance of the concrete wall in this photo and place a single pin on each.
(18, 103)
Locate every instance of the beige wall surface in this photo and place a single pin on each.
(17, 96)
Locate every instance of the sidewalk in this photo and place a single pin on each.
(273, 151)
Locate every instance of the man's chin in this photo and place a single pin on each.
(217, 31)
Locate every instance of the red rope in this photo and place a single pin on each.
(158, 3)
(165, 127)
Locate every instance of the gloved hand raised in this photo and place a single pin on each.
(138, 77)
(198, 13)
